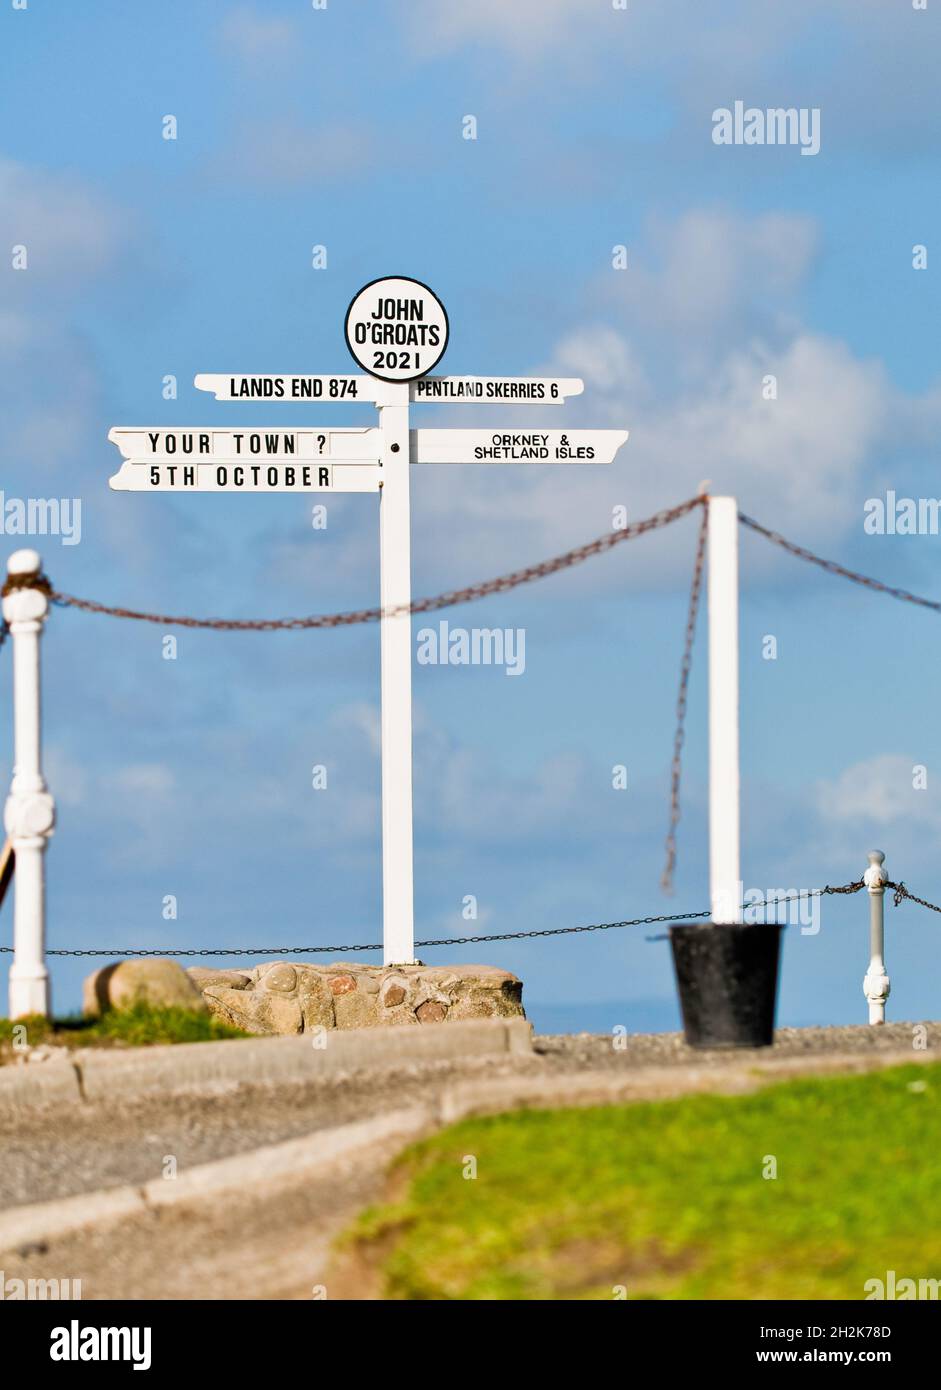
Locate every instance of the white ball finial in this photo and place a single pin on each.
(875, 876)
(23, 562)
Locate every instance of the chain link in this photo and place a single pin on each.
(901, 892)
(446, 940)
(832, 567)
(502, 584)
(695, 592)
(499, 585)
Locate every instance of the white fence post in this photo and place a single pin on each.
(876, 985)
(29, 815)
(395, 642)
(724, 864)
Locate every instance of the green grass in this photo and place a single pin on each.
(668, 1199)
(138, 1026)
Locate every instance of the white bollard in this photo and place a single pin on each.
(29, 814)
(876, 985)
(724, 871)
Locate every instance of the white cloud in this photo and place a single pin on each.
(710, 271)
(697, 57)
(677, 351)
(70, 231)
(67, 778)
(471, 799)
(743, 37)
(522, 26)
(794, 458)
(602, 355)
(364, 719)
(49, 387)
(48, 394)
(283, 153)
(257, 38)
(143, 779)
(879, 792)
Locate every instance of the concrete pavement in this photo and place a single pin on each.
(258, 1222)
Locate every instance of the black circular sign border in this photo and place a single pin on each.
(396, 380)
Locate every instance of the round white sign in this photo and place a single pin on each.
(397, 328)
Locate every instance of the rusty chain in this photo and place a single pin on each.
(506, 582)
(501, 584)
(423, 605)
(472, 592)
(831, 566)
(676, 767)
(901, 892)
(442, 941)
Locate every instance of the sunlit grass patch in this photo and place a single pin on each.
(671, 1199)
(138, 1026)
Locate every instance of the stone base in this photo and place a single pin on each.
(287, 997)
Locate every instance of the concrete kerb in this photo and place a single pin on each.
(465, 1099)
(291, 1160)
(100, 1074)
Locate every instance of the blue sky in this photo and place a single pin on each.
(342, 127)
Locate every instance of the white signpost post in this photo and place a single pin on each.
(397, 330)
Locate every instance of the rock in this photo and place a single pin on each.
(233, 979)
(394, 992)
(280, 977)
(432, 1011)
(153, 980)
(297, 997)
(355, 1010)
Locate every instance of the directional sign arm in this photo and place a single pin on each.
(515, 446)
(247, 477)
(197, 459)
(202, 443)
(266, 387)
(506, 390)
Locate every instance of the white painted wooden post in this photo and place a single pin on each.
(398, 925)
(29, 815)
(876, 985)
(724, 864)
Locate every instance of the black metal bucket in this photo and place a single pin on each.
(727, 978)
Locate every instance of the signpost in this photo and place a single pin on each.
(397, 331)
